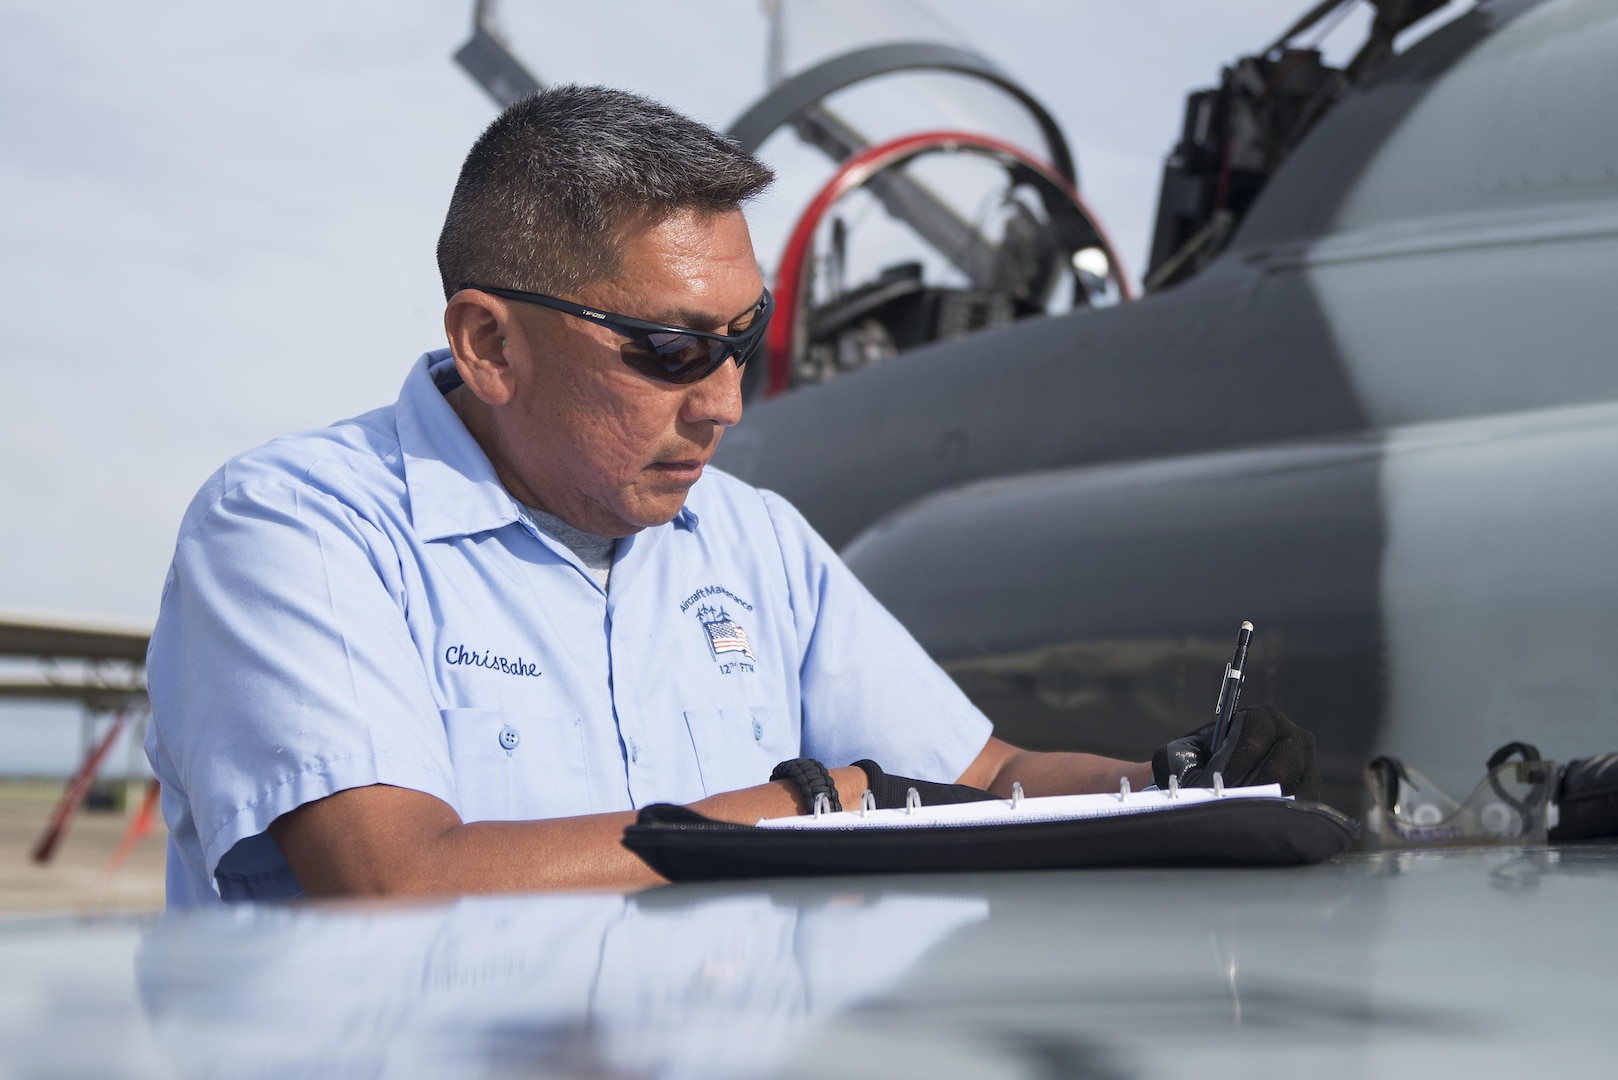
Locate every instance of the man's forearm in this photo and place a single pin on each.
(520, 856)
(778, 798)
(1067, 774)
(999, 765)
(388, 841)
(586, 852)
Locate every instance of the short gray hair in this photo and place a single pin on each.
(548, 189)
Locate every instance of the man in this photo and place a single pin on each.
(452, 644)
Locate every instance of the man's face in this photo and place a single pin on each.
(596, 443)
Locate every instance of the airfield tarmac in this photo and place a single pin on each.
(74, 880)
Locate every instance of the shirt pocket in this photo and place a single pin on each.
(731, 748)
(517, 766)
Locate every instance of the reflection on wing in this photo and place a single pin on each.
(660, 984)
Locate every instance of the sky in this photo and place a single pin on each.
(218, 221)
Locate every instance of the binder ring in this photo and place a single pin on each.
(912, 801)
(867, 801)
(822, 805)
(1016, 795)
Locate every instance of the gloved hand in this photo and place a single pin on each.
(890, 791)
(1263, 747)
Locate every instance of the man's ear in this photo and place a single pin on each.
(476, 325)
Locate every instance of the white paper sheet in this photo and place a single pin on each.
(1001, 811)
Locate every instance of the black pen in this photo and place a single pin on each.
(1230, 690)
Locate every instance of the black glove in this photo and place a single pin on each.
(890, 791)
(1263, 747)
(1587, 799)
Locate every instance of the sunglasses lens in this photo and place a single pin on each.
(676, 358)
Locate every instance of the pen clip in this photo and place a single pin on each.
(1224, 688)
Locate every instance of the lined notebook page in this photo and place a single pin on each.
(1002, 812)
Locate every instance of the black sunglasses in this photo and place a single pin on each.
(674, 354)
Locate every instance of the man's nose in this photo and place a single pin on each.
(716, 399)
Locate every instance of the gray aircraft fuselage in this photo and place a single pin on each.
(1382, 425)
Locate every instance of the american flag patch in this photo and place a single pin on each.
(724, 636)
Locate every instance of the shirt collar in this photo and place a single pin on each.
(453, 488)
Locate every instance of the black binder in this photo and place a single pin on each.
(682, 845)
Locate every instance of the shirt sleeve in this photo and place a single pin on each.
(868, 688)
(282, 670)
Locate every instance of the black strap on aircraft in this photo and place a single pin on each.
(808, 88)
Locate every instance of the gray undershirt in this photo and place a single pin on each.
(595, 552)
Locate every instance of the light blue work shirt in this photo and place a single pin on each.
(367, 604)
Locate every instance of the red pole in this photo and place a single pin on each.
(76, 788)
(140, 826)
